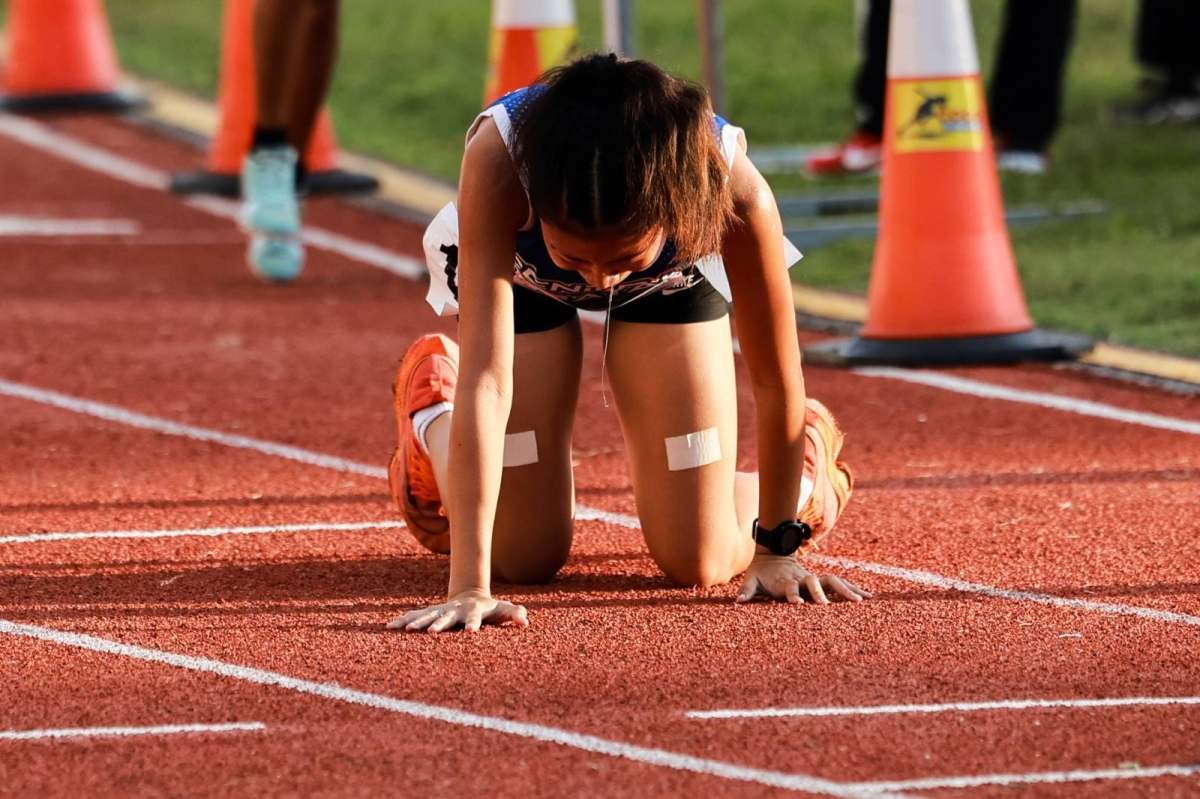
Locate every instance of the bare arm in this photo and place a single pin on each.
(492, 206)
(762, 291)
(766, 324)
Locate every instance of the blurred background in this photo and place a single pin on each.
(410, 78)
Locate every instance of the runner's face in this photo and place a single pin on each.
(603, 259)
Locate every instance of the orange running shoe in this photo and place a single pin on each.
(832, 480)
(428, 374)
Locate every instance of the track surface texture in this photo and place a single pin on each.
(195, 530)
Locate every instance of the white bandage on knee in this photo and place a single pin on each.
(693, 450)
(520, 449)
(425, 417)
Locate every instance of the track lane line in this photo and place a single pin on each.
(537, 732)
(16, 226)
(113, 413)
(953, 707)
(1058, 402)
(1036, 778)
(629, 517)
(73, 150)
(128, 732)
(203, 532)
(582, 512)
(952, 584)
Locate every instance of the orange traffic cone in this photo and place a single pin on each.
(238, 106)
(944, 283)
(528, 37)
(61, 58)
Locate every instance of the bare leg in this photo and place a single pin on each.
(295, 46)
(696, 521)
(745, 500)
(532, 536)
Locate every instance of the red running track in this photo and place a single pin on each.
(1094, 520)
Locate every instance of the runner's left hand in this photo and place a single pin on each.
(782, 577)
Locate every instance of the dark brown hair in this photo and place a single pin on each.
(608, 142)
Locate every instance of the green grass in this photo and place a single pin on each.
(410, 79)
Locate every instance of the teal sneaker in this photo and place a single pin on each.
(275, 259)
(269, 201)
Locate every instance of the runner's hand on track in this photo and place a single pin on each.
(471, 609)
(783, 577)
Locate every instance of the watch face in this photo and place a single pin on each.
(789, 539)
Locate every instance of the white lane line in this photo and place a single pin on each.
(113, 413)
(11, 225)
(127, 732)
(582, 512)
(256, 607)
(954, 707)
(70, 149)
(82, 154)
(951, 584)
(202, 532)
(937, 783)
(976, 388)
(85, 155)
(537, 732)
(585, 514)
(355, 250)
(361, 251)
(156, 424)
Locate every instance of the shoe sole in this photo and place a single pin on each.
(275, 259)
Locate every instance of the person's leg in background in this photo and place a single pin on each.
(863, 151)
(295, 47)
(1027, 81)
(1166, 44)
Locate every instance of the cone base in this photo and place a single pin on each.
(110, 102)
(1031, 345)
(334, 181)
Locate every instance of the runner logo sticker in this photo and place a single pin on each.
(938, 115)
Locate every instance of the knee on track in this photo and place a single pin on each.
(695, 570)
(532, 565)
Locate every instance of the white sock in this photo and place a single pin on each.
(426, 416)
(806, 489)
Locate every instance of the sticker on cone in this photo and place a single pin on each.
(933, 115)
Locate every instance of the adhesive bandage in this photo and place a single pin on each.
(693, 450)
(520, 449)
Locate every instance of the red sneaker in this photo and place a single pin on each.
(832, 480)
(861, 153)
(428, 374)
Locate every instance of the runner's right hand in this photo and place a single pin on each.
(471, 609)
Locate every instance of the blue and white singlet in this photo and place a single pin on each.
(536, 271)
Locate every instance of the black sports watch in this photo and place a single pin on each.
(785, 538)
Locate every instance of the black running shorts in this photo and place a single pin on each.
(535, 313)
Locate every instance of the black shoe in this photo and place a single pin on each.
(1168, 104)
